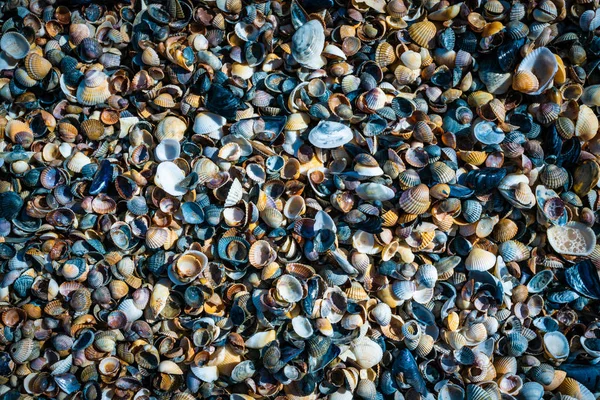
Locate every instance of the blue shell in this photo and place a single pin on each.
(241, 253)
(67, 382)
(194, 297)
(102, 179)
(10, 205)
(85, 340)
(485, 180)
(192, 213)
(156, 263)
(405, 363)
(22, 285)
(583, 278)
(79, 263)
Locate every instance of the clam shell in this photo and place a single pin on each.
(480, 260)
(329, 135)
(542, 64)
(308, 43)
(169, 177)
(574, 238)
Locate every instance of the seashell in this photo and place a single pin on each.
(260, 339)
(572, 239)
(308, 43)
(37, 67)
(587, 123)
(480, 260)
(540, 65)
(385, 54)
(540, 281)
(415, 200)
(206, 373)
(289, 289)
(329, 135)
(556, 345)
(208, 123)
(423, 33)
(14, 45)
(169, 177)
(367, 352)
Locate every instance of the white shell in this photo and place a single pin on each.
(260, 339)
(168, 177)
(480, 260)
(364, 242)
(206, 374)
(329, 135)
(544, 66)
(574, 239)
(130, 310)
(367, 352)
(207, 122)
(308, 43)
(169, 367)
(302, 326)
(556, 345)
(324, 221)
(236, 191)
(168, 150)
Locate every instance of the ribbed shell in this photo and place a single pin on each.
(415, 200)
(423, 33)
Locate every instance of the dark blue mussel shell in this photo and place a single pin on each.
(485, 180)
(583, 278)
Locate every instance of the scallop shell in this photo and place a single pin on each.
(423, 33)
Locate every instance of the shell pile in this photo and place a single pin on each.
(349, 199)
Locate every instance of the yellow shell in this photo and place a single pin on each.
(473, 157)
(572, 388)
(150, 57)
(385, 54)
(93, 129)
(423, 33)
(404, 75)
(37, 66)
(452, 321)
(561, 74)
(525, 81)
(91, 96)
(164, 100)
(156, 237)
(297, 122)
(587, 123)
(504, 230)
